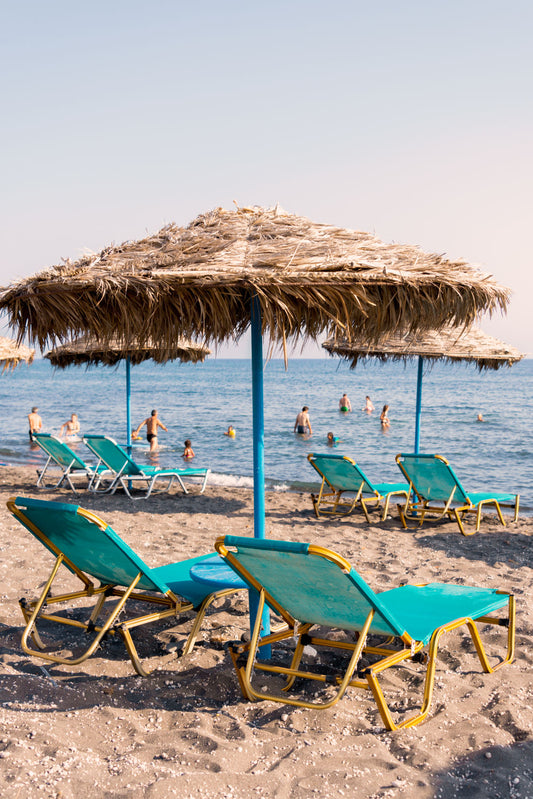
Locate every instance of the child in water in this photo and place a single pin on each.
(333, 440)
(188, 451)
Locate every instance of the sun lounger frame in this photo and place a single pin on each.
(166, 604)
(456, 505)
(61, 456)
(330, 502)
(131, 472)
(391, 651)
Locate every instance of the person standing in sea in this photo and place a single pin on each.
(152, 423)
(302, 425)
(35, 422)
(344, 404)
(384, 419)
(369, 405)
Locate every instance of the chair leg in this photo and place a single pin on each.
(245, 673)
(511, 628)
(191, 640)
(102, 631)
(208, 472)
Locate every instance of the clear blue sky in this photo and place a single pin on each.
(413, 120)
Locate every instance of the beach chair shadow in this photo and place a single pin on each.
(107, 568)
(317, 593)
(125, 472)
(61, 457)
(341, 475)
(437, 493)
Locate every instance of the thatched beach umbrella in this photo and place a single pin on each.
(11, 353)
(85, 350)
(280, 274)
(450, 344)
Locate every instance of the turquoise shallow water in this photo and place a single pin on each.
(199, 401)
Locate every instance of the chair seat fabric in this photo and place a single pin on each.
(422, 609)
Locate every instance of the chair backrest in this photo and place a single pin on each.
(312, 584)
(112, 455)
(58, 451)
(341, 472)
(87, 541)
(432, 477)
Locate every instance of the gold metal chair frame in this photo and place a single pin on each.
(34, 610)
(339, 508)
(422, 508)
(244, 655)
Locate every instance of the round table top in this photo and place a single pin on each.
(215, 571)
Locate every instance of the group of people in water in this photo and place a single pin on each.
(302, 424)
(71, 430)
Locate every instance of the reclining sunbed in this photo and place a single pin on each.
(317, 592)
(126, 473)
(107, 569)
(341, 475)
(61, 456)
(437, 492)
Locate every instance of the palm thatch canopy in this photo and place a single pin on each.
(450, 344)
(198, 281)
(11, 353)
(90, 351)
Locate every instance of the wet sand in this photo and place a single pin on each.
(98, 729)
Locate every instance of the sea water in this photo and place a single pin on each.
(199, 401)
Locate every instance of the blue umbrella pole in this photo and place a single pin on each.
(259, 455)
(418, 411)
(128, 406)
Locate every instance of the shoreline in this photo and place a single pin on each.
(186, 731)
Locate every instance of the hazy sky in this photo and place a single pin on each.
(410, 119)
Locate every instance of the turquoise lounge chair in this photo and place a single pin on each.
(107, 568)
(61, 456)
(126, 472)
(439, 493)
(312, 587)
(342, 475)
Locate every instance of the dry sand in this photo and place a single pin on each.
(99, 730)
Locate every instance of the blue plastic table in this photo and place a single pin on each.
(214, 570)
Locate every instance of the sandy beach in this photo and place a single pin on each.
(98, 729)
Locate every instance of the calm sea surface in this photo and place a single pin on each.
(200, 401)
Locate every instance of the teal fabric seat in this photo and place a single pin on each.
(126, 473)
(313, 589)
(107, 567)
(342, 475)
(61, 456)
(437, 492)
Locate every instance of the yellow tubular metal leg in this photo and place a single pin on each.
(101, 631)
(412, 721)
(245, 674)
(511, 627)
(191, 640)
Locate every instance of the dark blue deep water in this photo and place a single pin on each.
(199, 401)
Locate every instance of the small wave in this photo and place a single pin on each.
(231, 480)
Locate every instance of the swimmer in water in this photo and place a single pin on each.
(384, 419)
(333, 440)
(302, 425)
(72, 427)
(188, 451)
(345, 406)
(35, 422)
(480, 418)
(369, 407)
(152, 424)
(230, 431)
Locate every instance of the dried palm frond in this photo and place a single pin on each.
(198, 282)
